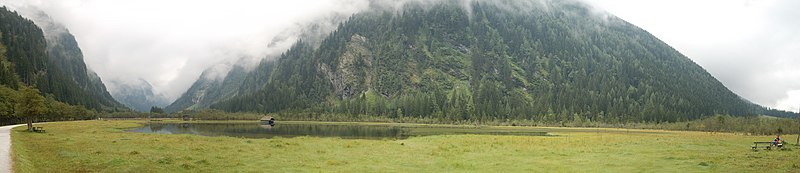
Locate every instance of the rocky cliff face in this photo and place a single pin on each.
(352, 74)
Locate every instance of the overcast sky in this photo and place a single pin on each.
(170, 42)
(752, 46)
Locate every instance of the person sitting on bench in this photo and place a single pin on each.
(777, 141)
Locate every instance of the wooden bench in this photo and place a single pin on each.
(38, 129)
(768, 145)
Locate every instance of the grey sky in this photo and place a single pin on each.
(170, 42)
(752, 46)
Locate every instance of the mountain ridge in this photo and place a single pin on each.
(137, 95)
(51, 60)
(548, 61)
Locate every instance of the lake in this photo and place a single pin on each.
(318, 129)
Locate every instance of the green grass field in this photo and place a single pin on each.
(104, 146)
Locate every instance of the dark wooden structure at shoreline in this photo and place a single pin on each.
(268, 120)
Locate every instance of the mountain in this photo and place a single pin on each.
(228, 79)
(211, 87)
(137, 95)
(44, 54)
(489, 60)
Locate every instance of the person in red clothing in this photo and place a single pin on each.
(777, 141)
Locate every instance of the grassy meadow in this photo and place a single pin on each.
(105, 146)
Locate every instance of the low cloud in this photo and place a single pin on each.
(749, 45)
(169, 43)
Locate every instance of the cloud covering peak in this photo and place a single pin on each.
(751, 46)
(169, 43)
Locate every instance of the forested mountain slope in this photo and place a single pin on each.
(208, 90)
(489, 60)
(238, 77)
(51, 61)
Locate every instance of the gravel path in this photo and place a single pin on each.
(5, 147)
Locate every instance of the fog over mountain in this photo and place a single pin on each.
(750, 46)
(137, 95)
(169, 43)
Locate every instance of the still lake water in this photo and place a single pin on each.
(315, 129)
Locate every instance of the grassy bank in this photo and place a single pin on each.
(104, 146)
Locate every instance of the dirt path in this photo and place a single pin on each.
(5, 147)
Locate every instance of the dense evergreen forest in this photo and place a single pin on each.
(206, 91)
(69, 80)
(549, 61)
(51, 63)
(555, 61)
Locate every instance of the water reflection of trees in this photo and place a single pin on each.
(255, 130)
(350, 131)
(156, 127)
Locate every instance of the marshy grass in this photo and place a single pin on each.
(105, 146)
